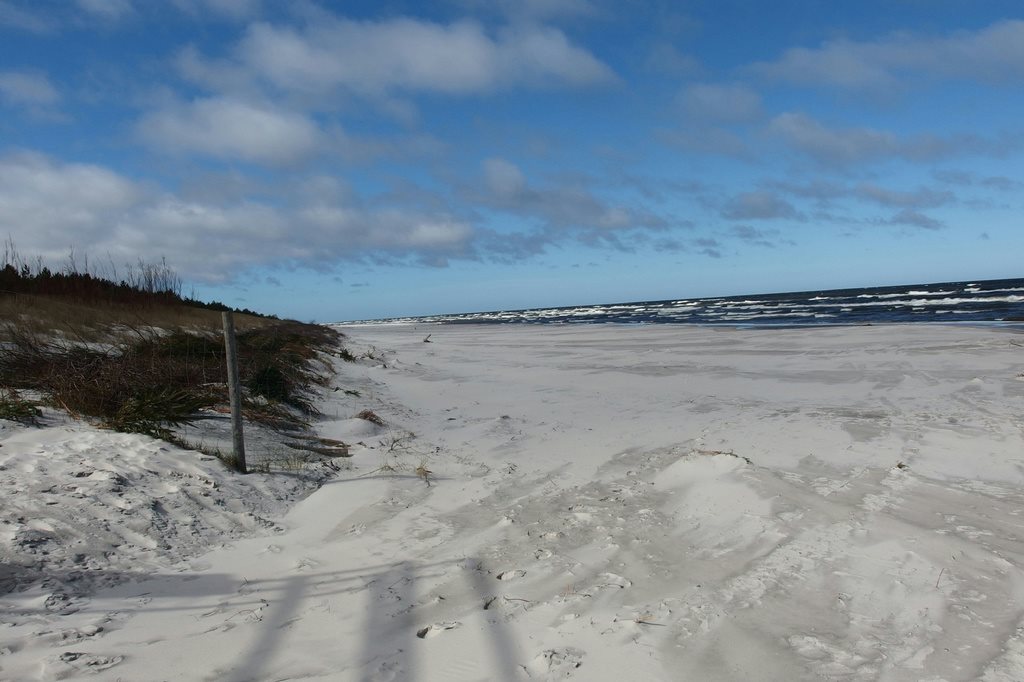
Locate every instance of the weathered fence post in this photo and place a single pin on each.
(234, 390)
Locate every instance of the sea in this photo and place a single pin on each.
(983, 302)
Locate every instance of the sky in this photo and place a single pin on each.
(350, 160)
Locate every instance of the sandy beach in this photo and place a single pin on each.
(588, 502)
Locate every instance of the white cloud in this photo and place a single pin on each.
(768, 239)
(827, 194)
(233, 129)
(923, 197)
(50, 17)
(503, 178)
(721, 103)
(840, 146)
(537, 9)
(569, 207)
(401, 53)
(443, 235)
(47, 206)
(994, 54)
(237, 129)
(221, 76)
(915, 219)
(826, 144)
(27, 88)
(759, 205)
(377, 57)
(16, 17)
(537, 55)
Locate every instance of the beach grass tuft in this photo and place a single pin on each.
(17, 409)
(370, 416)
(129, 352)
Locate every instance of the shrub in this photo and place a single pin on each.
(16, 409)
(156, 381)
(138, 387)
(281, 363)
(370, 416)
(151, 412)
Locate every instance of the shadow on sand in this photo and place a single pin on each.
(391, 618)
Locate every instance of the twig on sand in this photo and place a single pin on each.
(940, 577)
(729, 453)
(423, 472)
(384, 468)
(254, 615)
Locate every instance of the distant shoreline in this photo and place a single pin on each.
(992, 301)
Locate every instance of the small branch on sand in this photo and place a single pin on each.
(640, 621)
(729, 453)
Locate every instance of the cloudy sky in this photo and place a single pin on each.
(348, 160)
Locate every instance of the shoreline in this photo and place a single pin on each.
(994, 324)
(994, 300)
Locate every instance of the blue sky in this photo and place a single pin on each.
(348, 160)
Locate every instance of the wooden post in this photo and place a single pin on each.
(234, 391)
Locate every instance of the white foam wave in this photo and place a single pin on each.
(908, 293)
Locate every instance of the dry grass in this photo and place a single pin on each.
(424, 473)
(129, 352)
(151, 380)
(727, 453)
(90, 301)
(16, 409)
(370, 416)
(104, 321)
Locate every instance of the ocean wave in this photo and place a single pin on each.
(908, 293)
(922, 302)
(914, 304)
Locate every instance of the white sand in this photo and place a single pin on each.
(607, 503)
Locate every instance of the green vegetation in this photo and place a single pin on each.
(17, 409)
(136, 285)
(135, 356)
(156, 380)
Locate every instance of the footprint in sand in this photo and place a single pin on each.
(64, 604)
(78, 634)
(555, 664)
(612, 580)
(86, 662)
(436, 629)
